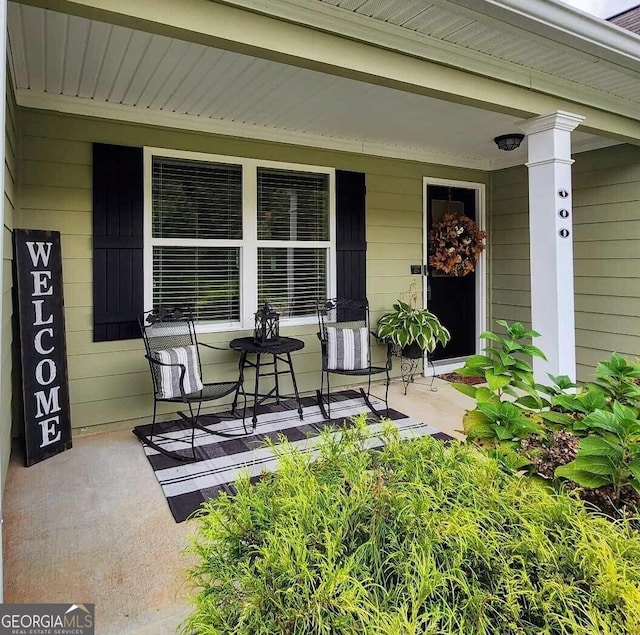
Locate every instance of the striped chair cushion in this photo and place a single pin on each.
(168, 377)
(347, 349)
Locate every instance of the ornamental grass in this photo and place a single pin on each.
(416, 537)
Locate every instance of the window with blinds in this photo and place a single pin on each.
(195, 205)
(292, 279)
(206, 279)
(196, 199)
(292, 205)
(202, 228)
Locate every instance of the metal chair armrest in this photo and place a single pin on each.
(217, 348)
(153, 360)
(183, 371)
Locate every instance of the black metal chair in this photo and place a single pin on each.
(172, 350)
(345, 342)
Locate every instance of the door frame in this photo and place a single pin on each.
(449, 365)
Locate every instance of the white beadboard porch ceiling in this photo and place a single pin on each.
(54, 55)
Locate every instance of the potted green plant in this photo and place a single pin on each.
(412, 330)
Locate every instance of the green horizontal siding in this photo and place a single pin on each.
(510, 285)
(606, 216)
(109, 381)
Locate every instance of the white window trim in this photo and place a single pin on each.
(249, 243)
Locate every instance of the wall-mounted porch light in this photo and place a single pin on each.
(509, 141)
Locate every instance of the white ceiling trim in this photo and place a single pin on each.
(146, 116)
(326, 17)
(585, 145)
(133, 114)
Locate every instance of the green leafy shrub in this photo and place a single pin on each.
(610, 455)
(415, 538)
(619, 379)
(504, 365)
(495, 419)
(589, 435)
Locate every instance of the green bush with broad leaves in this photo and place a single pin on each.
(414, 538)
(618, 379)
(504, 365)
(507, 373)
(512, 408)
(610, 453)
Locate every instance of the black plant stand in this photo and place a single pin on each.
(409, 365)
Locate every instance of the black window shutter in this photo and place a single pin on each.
(117, 242)
(351, 237)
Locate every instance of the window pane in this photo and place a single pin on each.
(292, 279)
(196, 199)
(292, 205)
(207, 279)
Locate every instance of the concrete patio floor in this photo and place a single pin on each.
(92, 525)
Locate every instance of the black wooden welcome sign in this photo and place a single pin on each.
(38, 266)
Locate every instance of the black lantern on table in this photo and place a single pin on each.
(267, 329)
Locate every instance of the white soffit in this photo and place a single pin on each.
(80, 66)
(467, 25)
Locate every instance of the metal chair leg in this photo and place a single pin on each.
(320, 396)
(153, 422)
(367, 400)
(148, 440)
(193, 428)
(386, 393)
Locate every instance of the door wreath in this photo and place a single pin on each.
(455, 244)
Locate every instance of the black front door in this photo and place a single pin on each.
(451, 298)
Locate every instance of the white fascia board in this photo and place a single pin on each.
(132, 114)
(331, 19)
(147, 116)
(556, 20)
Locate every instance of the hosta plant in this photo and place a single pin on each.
(406, 325)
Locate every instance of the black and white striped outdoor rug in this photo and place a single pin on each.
(187, 485)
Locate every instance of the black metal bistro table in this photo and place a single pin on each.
(280, 352)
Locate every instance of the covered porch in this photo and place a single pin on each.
(93, 524)
(237, 86)
(411, 98)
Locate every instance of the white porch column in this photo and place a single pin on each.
(551, 241)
